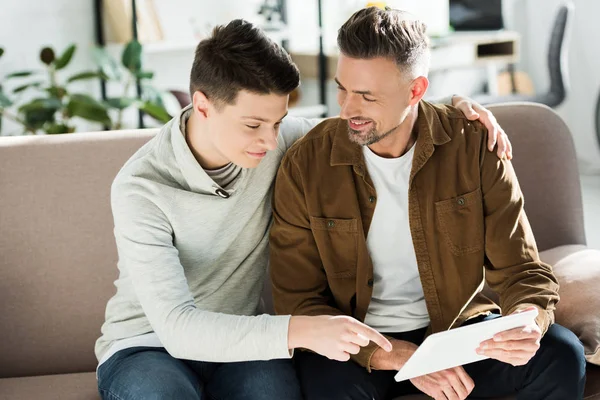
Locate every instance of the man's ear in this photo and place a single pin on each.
(418, 87)
(201, 104)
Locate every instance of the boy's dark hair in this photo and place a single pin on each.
(240, 56)
(393, 34)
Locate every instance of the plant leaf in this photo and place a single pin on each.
(56, 91)
(88, 75)
(20, 74)
(40, 111)
(1, 51)
(106, 63)
(144, 75)
(153, 95)
(120, 103)
(27, 86)
(4, 101)
(47, 55)
(66, 57)
(155, 111)
(55, 128)
(132, 56)
(41, 104)
(84, 98)
(88, 108)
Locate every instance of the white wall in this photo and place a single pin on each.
(28, 25)
(303, 20)
(534, 18)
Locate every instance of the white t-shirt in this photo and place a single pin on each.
(398, 303)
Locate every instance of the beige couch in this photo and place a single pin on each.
(58, 258)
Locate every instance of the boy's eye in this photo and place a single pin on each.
(369, 100)
(253, 126)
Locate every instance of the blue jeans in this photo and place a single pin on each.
(556, 372)
(150, 373)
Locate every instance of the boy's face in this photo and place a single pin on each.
(244, 131)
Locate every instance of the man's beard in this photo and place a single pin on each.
(371, 136)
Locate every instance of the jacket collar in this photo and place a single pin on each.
(430, 133)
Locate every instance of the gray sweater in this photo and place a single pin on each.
(192, 263)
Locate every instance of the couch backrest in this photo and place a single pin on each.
(546, 165)
(57, 251)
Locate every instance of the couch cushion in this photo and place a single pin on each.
(544, 155)
(592, 387)
(578, 274)
(577, 269)
(57, 251)
(51, 387)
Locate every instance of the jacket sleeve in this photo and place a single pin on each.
(513, 267)
(300, 285)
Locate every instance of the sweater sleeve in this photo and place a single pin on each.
(294, 128)
(147, 254)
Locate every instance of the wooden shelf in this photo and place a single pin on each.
(186, 45)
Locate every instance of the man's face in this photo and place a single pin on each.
(374, 97)
(244, 131)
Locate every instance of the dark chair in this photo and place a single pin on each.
(183, 98)
(557, 66)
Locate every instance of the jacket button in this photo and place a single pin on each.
(330, 224)
(370, 282)
(460, 201)
(372, 199)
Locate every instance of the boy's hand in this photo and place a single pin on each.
(475, 111)
(335, 337)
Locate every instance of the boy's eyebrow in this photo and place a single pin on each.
(262, 119)
(354, 91)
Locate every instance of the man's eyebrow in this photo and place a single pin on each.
(368, 92)
(262, 119)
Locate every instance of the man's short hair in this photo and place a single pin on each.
(239, 56)
(397, 35)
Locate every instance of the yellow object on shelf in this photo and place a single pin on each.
(380, 4)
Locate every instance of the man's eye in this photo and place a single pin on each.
(369, 100)
(253, 126)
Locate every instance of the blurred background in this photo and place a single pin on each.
(83, 65)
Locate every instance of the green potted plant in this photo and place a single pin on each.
(55, 105)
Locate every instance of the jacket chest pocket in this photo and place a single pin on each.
(460, 221)
(337, 241)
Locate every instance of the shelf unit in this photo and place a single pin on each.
(157, 48)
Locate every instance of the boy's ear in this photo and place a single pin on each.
(201, 104)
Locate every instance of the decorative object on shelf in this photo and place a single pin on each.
(379, 4)
(271, 12)
(53, 109)
(118, 15)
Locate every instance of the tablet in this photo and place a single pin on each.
(458, 346)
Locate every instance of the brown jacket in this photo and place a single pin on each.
(465, 212)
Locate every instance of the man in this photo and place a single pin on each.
(192, 210)
(390, 213)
